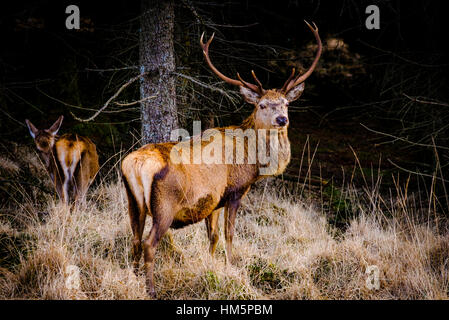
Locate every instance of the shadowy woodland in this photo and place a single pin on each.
(367, 183)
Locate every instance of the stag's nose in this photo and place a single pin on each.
(281, 121)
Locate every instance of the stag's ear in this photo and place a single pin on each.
(249, 95)
(33, 130)
(295, 92)
(55, 127)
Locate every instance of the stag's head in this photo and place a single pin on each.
(271, 106)
(44, 138)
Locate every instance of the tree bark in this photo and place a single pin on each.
(159, 115)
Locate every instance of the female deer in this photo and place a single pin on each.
(71, 160)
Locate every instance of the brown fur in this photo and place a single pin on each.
(71, 160)
(178, 194)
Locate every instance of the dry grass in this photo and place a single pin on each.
(283, 249)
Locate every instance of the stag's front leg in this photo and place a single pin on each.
(212, 230)
(230, 214)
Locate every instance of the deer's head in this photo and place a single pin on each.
(271, 106)
(44, 138)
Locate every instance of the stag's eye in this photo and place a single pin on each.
(262, 106)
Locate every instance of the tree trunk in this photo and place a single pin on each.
(158, 115)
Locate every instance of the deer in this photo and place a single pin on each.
(71, 160)
(176, 194)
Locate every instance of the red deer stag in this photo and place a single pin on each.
(178, 194)
(71, 160)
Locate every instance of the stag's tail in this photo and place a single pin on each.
(138, 175)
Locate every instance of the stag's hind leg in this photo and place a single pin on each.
(137, 216)
(161, 223)
(212, 229)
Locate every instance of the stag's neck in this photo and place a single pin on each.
(248, 123)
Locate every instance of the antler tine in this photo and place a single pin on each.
(239, 82)
(284, 87)
(248, 85)
(301, 78)
(259, 84)
(208, 42)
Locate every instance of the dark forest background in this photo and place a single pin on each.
(378, 99)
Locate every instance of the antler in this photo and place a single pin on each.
(291, 83)
(257, 88)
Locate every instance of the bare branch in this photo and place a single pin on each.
(205, 85)
(417, 173)
(130, 81)
(234, 26)
(417, 99)
(92, 109)
(112, 69)
(125, 104)
(404, 140)
(402, 58)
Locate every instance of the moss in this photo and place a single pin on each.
(267, 276)
(340, 206)
(224, 288)
(213, 283)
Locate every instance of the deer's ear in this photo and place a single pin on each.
(55, 127)
(33, 130)
(249, 95)
(295, 92)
